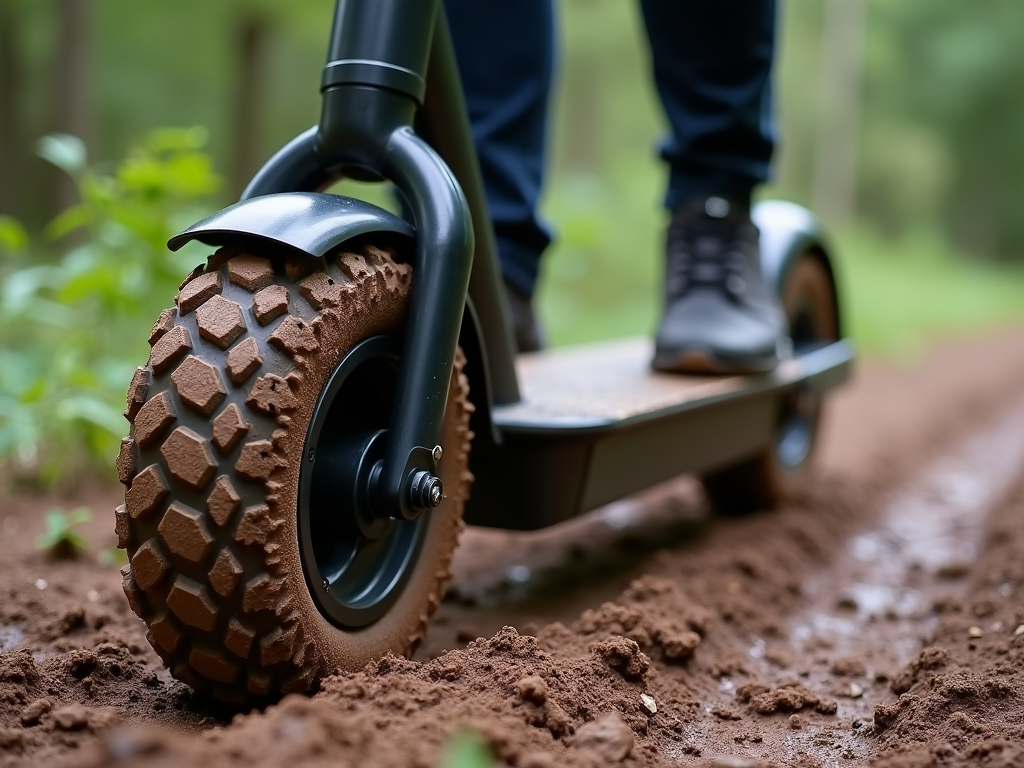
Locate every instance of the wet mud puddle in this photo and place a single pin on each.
(871, 611)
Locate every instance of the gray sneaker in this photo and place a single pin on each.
(720, 314)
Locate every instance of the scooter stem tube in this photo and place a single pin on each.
(371, 87)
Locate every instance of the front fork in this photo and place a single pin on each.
(373, 82)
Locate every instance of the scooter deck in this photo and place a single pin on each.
(596, 423)
(612, 385)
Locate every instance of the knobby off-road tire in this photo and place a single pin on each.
(219, 417)
(762, 481)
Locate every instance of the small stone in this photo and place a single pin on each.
(855, 691)
(648, 704)
(796, 722)
(975, 632)
(1019, 631)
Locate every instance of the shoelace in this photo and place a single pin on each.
(705, 259)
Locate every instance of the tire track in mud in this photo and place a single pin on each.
(872, 610)
(863, 616)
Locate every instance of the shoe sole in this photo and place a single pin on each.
(702, 362)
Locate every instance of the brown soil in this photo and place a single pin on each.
(873, 622)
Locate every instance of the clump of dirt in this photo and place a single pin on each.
(581, 709)
(59, 703)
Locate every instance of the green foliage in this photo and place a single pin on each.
(466, 749)
(60, 538)
(112, 557)
(75, 308)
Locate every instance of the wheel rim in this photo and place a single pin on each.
(355, 563)
(809, 311)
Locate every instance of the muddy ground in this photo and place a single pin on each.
(879, 621)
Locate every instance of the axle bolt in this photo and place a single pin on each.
(425, 490)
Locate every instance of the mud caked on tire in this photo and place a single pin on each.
(212, 465)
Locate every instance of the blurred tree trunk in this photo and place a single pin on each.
(11, 113)
(71, 87)
(251, 36)
(835, 163)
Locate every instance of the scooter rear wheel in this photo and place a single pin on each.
(783, 469)
(268, 392)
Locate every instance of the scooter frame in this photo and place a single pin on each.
(393, 110)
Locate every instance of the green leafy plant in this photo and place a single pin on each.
(466, 749)
(76, 304)
(112, 557)
(60, 538)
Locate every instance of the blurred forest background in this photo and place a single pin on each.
(901, 121)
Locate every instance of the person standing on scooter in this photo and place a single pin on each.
(711, 64)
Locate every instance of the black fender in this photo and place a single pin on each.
(313, 223)
(789, 231)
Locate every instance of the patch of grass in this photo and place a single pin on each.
(466, 749)
(60, 539)
(899, 297)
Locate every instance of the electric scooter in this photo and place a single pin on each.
(298, 467)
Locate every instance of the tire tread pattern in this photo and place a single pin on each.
(217, 428)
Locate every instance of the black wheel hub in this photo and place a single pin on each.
(356, 562)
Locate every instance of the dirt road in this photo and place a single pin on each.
(878, 621)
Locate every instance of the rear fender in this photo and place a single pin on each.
(313, 223)
(789, 231)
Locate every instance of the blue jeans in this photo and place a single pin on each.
(711, 62)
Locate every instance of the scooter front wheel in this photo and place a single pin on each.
(783, 469)
(254, 559)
